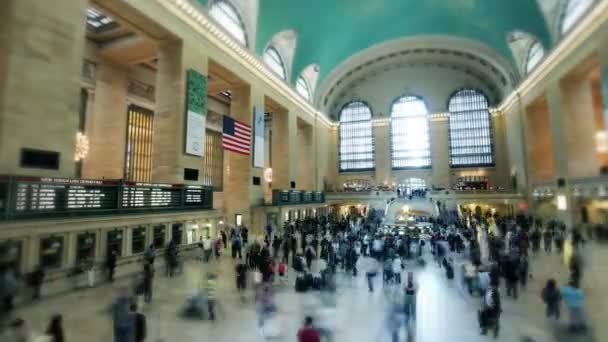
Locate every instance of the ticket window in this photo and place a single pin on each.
(51, 252)
(159, 237)
(138, 240)
(114, 242)
(192, 233)
(85, 248)
(176, 233)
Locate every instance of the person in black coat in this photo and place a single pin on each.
(36, 280)
(140, 324)
(511, 273)
(147, 282)
(111, 265)
(55, 329)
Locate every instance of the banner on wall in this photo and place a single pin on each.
(258, 138)
(196, 110)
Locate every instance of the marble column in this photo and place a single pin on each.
(237, 167)
(560, 156)
(169, 158)
(41, 52)
(284, 150)
(107, 124)
(440, 154)
(381, 138)
(306, 160)
(579, 118)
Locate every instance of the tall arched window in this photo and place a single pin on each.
(573, 12)
(535, 55)
(226, 15)
(302, 88)
(410, 143)
(356, 138)
(470, 129)
(273, 59)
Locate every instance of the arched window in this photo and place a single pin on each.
(535, 55)
(274, 61)
(356, 138)
(226, 15)
(573, 12)
(302, 88)
(410, 143)
(470, 130)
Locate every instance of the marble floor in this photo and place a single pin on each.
(445, 312)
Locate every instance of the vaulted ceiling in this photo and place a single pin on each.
(329, 32)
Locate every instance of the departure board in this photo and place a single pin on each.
(58, 195)
(295, 197)
(318, 197)
(307, 197)
(147, 195)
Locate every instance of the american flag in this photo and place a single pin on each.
(236, 136)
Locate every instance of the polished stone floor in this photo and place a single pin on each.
(445, 311)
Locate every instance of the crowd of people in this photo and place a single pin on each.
(483, 251)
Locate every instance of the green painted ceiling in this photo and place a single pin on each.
(329, 31)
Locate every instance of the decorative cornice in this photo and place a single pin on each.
(198, 20)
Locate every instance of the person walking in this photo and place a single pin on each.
(147, 282)
(150, 255)
(36, 279)
(370, 266)
(139, 319)
(308, 333)
(552, 298)
(574, 298)
(55, 329)
(207, 248)
(111, 265)
(211, 289)
(236, 246)
(547, 240)
(224, 238)
(123, 322)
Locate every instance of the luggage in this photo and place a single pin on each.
(317, 282)
(301, 285)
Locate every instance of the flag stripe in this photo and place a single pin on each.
(236, 136)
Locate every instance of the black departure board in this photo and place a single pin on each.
(26, 197)
(295, 197)
(148, 196)
(34, 195)
(318, 197)
(307, 197)
(287, 197)
(198, 196)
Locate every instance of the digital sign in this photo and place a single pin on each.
(35, 196)
(145, 195)
(287, 197)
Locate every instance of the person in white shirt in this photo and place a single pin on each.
(370, 266)
(207, 248)
(397, 268)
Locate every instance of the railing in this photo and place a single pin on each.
(291, 197)
(42, 197)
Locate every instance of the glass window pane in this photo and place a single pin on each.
(226, 15)
(574, 11)
(274, 61)
(535, 55)
(470, 130)
(302, 88)
(410, 141)
(356, 138)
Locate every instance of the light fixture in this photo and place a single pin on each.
(82, 147)
(268, 175)
(562, 203)
(221, 222)
(601, 142)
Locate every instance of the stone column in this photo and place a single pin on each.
(71, 241)
(284, 149)
(440, 154)
(560, 156)
(381, 137)
(579, 118)
(305, 160)
(237, 167)
(41, 52)
(107, 124)
(169, 158)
